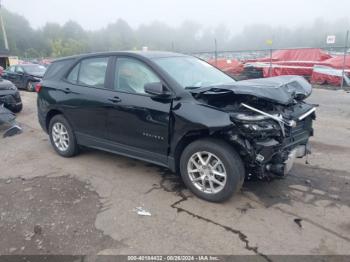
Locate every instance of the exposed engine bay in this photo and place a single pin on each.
(271, 122)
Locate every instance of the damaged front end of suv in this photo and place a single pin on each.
(270, 122)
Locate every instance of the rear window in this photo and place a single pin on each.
(56, 67)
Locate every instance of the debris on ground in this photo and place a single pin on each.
(142, 212)
(298, 222)
(28, 236)
(38, 230)
(245, 208)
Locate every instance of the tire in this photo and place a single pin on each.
(17, 108)
(231, 164)
(66, 143)
(30, 86)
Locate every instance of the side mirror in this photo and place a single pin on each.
(156, 89)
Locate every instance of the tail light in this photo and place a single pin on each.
(38, 87)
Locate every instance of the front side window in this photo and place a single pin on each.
(89, 72)
(11, 69)
(19, 69)
(132, 75)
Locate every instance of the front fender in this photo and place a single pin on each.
(190, 118)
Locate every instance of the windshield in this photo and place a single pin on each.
(34, 69)
(191, 72)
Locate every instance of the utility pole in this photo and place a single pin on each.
(6, 44)
(344, 61)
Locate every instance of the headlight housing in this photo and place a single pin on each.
(245, 117)
(256, 125)
(260, 126)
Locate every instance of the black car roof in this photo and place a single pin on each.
(145, 54)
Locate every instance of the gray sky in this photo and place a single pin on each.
(95, 14)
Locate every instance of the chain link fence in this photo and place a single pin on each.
(329, 65)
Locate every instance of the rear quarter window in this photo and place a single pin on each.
(56, 68)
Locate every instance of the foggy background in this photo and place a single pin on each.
(41, 28)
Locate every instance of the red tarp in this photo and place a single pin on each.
(292, 62)
(337, 62)
(305, 56)
(229, 66)
(330, 71)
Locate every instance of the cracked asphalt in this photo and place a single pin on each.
(87, 204)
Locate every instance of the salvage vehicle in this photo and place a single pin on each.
(25, 76)
(179, 112)
(8, 124)
(10, 98)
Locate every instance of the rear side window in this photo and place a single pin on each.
(89, 72)
(55, 68)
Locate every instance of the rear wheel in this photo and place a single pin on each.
(62, 137)
(212, 169)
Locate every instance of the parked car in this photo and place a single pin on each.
(179, 112)
(8, 124)
(25, 76)
(10, 97)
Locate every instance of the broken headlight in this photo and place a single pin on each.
(244, 117)
(260, 126)
(261, 129)
(257, 125)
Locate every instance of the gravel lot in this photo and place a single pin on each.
(87, 204)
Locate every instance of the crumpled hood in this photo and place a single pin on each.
(281, 89)
(37, 75)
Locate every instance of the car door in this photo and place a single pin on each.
(10, 74)
(138, 121)
(19, 77)
(84, 100)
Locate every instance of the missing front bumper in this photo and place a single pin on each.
(283, 169)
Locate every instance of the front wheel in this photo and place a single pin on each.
(62, 137)
(30, 86)
(16, 108)
(212, 169)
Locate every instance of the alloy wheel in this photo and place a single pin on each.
(207, 172)
(60, 136)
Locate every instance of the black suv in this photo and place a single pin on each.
(179, 112)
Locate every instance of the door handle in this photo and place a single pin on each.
(67, 90)
(115, 99)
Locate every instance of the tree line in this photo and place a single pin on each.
(55, 40)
